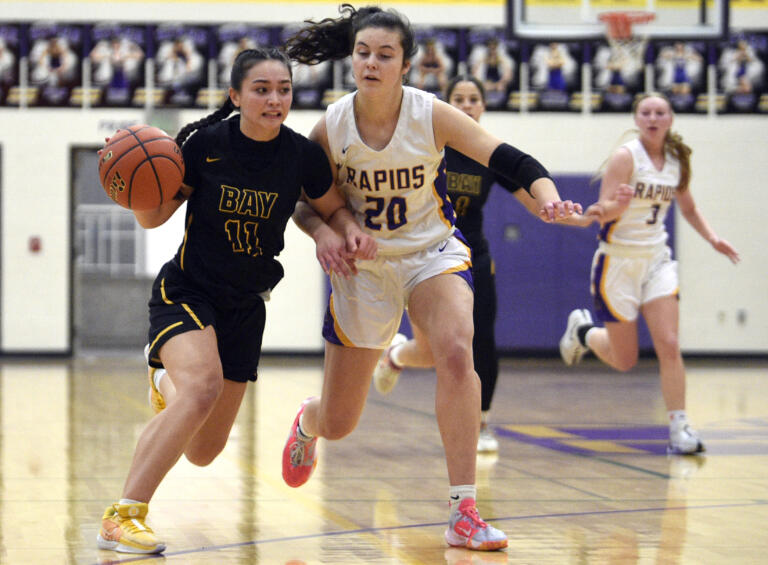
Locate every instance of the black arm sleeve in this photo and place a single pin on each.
(517, 166)
(317, 175)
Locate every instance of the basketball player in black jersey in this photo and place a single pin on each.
(244, 175)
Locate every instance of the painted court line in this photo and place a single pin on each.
(215, 548)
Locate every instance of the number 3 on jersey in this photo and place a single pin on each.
(654, 214)
(395, 212)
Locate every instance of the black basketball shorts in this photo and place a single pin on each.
(178, 306)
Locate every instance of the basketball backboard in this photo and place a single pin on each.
(574, 19)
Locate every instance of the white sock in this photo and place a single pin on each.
(302, 435)
(484, 415)
(129, 501)
(393, 355)
(159, 374)
(458, 493)
(586, 335)
(677, 418)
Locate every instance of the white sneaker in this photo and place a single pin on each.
(571, 349)
(683, 440)
(386, 373)
(467, 529)
(486, 441)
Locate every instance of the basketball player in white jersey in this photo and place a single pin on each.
(632, 270)
(386, 141)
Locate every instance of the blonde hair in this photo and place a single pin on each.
(673, 142)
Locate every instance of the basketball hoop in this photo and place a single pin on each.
(620, 23)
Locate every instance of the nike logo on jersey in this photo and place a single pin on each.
(344, 151)
(212, 159)
(440, 249)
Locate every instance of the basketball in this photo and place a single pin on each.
(141, 167)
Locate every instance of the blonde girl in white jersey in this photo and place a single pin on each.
(386, 141)
(632, 271)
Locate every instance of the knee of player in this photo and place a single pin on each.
(337, 428)
(203, 457)
(458, 354)
(201, 392)
(667, 344)
(626, 363)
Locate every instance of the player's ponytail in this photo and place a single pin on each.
(246, 59)
(673, 143)
(220, 114)
(331, 39)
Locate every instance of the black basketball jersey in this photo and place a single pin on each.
(469, 184)
(245, 192)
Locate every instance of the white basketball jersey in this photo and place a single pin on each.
(642, 224)
(398, 194)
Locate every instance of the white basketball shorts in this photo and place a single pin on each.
(366, 309)
(623, 279)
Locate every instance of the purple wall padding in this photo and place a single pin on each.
(542, 271)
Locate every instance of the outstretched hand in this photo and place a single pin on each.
(621, 199)
(722, 246)
(557, 210)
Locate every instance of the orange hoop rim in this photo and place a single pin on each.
(619, 22)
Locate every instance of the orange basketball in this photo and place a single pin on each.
(141, 167)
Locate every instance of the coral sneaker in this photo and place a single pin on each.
(467, 529)
(124, 529)
(299, 458)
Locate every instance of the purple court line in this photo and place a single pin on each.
(647, 439)
(428, 525)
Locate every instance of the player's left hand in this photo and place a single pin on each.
(726, 249)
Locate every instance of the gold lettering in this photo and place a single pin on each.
(229, 199)
(249, 203)
(267, 201)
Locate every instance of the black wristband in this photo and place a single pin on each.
(517, 166)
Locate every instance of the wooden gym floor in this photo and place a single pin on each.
(581, 476)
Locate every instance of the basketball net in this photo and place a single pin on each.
(618, 31)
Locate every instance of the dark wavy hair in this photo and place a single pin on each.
(334, 38)
(464, 78)
(244, 61)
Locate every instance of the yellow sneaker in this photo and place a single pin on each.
(156, 399)
(123, 529)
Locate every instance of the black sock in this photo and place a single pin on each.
(581, 332)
